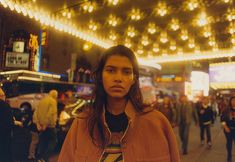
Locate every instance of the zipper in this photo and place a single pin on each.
(105, 124)
(123, 137)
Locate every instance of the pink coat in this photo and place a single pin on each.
(148, 138)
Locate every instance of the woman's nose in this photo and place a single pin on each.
(118, 76)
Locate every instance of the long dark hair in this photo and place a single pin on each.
(230, 102)
(100, 96)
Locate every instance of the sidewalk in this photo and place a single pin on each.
(198, 153)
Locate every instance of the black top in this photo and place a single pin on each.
(229, 118)
(116, 123)
(6, 117)
(205, 114)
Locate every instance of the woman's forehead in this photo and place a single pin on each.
(118, 61)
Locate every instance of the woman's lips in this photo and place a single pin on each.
(117, 88)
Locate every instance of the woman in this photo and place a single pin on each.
(228, 122)
(206, 118)
(118, 127)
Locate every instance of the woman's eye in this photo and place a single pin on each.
(127, 72)
(110, 70)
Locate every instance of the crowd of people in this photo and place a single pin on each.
(203, 112)
(42, 124)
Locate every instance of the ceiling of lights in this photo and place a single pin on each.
(214, 31)
(156, 28)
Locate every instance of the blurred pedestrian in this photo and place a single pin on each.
(206, 118)
(45, 118)
(228, 122)
(34, 136)
(185, 114)
(6, 125)
(118, 127)
(167, 108)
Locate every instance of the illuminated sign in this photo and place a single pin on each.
(200, 82)
(17, 60)
(18, 46)
(222, 72)
(169, 78)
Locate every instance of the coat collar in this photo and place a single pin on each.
(129, 110)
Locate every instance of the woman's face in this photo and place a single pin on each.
(117, 76)
(233, 103)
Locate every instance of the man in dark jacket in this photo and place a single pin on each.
(6, 124)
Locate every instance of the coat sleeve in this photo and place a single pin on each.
(67, 153)
(172, 142)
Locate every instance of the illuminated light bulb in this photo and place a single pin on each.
(192, 5)
(131, 31)
(163, 37)
(90, 9)
(215, 48)
(162, 12)
(112, 35)
(172, 45)
(202, 19)
(69, 15)
(4, 3)
(233, 39)
(230, 14)
(184, 37)
(151, 28)
(135, 14)
(112, 20)
(231, 28)
(180, 51)
(161, 9)
(128, 45)
(197, 49)
(184, 34)
(156, 48)
(191, 45)
(140, 51)
(174, 25)
(164, 53)
(11, 6)
(212, 41)
(86, 46)
(145, 40)
(113, 2)
(64, 13)
(226, 1)
(17, 8)
(88, 6)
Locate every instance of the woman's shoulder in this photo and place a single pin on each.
(84, 114)
(153, 115)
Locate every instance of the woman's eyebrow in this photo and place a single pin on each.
(112, 66)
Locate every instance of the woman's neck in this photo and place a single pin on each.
(116, 106)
